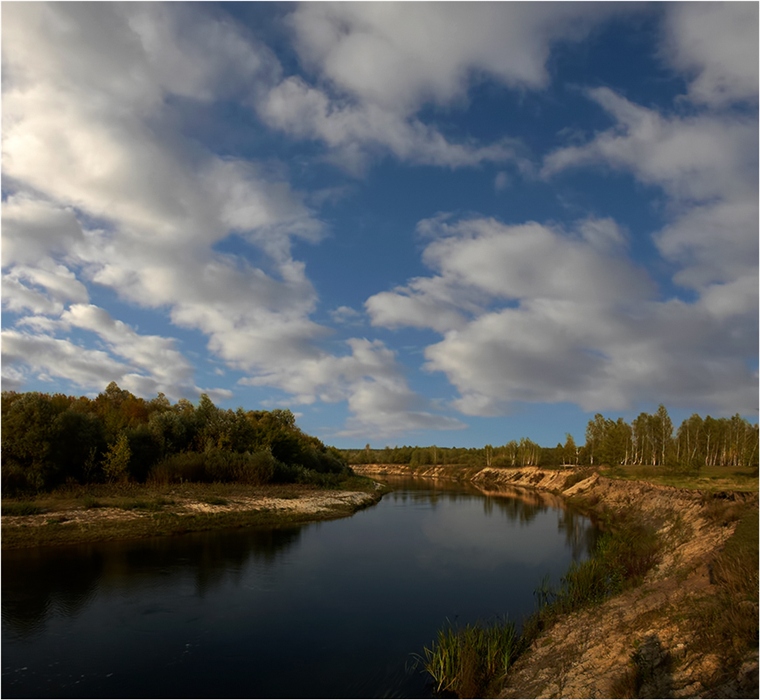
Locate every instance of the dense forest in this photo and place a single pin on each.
(649, 440)
(49, 440)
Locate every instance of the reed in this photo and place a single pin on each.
(469, 661)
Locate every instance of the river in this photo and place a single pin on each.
(332, 609)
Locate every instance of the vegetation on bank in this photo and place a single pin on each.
(474, 661)
(52, 440)
(76, 513)
(650, 440)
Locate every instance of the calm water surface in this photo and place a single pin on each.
(331, 609)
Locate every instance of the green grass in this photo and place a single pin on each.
(471, 661)
(708, 479)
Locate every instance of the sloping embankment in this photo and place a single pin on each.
(588, 653)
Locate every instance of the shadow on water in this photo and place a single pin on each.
(38, 583)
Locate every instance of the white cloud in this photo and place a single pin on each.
(692, 158)
(355, 131)
(481, 260)
(706, 163)
(125, 202)
(565, 317)
(42, 354)
(716, 45)
(399, 56)
(376, 65)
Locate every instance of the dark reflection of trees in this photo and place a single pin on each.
(580, 533)
(37, 584)
(44, 583)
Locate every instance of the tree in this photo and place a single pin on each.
(570, 451)
(28, 437)
(116, 462)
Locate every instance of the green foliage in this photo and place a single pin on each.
(471, 661)
(116, 461)
(118, 437)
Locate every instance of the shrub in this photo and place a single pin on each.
(184, 466)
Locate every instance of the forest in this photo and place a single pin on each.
(649, 440)
(50, 440)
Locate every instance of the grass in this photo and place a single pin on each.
(21, 508)
(472, 661)
(707, 479)
(727, 622)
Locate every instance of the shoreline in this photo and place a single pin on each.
(166, 512)
(645, 641)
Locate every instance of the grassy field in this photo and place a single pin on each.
(708, 479)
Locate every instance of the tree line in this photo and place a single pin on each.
(649, 440)
(49, 440)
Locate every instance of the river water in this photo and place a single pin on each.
(332, 609)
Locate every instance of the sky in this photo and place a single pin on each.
(410, 223)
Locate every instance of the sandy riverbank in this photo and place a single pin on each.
(177, 512)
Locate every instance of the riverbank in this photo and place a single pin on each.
(99, 513)
(670, 636)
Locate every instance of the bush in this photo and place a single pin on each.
(175, 469)
(216, 465)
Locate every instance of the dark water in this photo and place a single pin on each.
(331, 609)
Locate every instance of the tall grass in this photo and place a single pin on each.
(472, 660)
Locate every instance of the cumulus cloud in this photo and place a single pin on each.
(106, 190)
(376, 65)
(567, 316)
(564, 316)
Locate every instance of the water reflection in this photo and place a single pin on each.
(330, 609)
(39, 583)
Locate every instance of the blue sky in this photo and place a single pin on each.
(410, 223)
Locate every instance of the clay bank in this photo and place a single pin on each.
(653, 640)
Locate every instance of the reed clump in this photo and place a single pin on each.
(471, 661)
